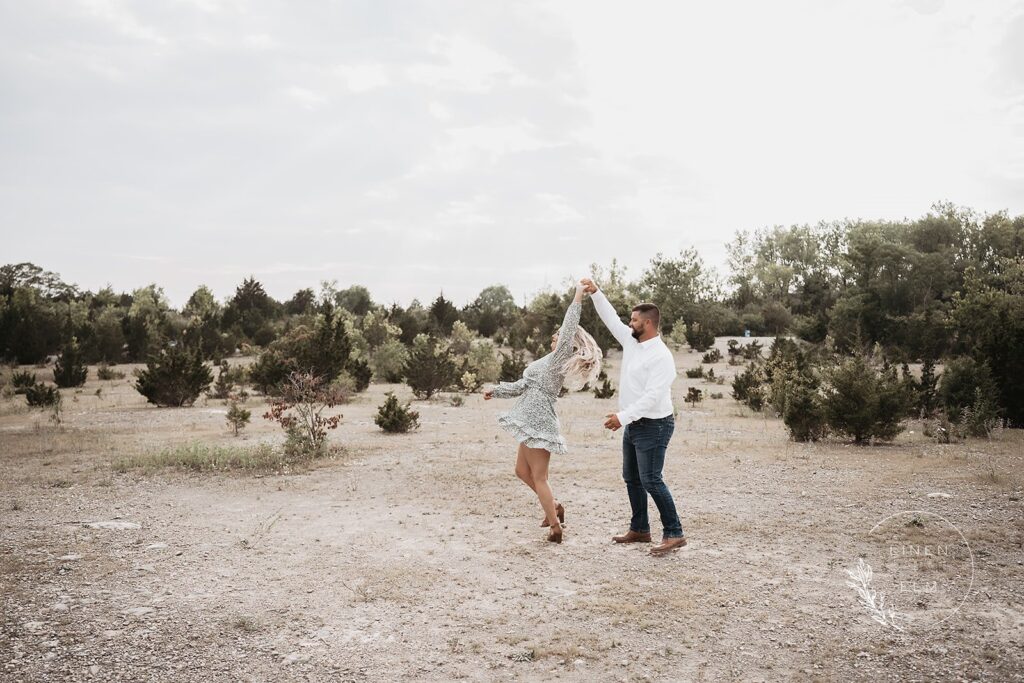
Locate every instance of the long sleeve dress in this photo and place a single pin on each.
(532, 419)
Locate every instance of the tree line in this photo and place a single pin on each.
(945, 287)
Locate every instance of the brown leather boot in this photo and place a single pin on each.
(560, 511)
(667, 545)
(555, 535)
(633, 537)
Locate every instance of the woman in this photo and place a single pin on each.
(575, 359)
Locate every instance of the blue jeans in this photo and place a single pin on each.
(643, 458)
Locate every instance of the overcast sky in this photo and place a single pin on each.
(414, 146)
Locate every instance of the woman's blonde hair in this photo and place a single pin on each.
(584, 365)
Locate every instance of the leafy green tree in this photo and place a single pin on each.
(388, 360)
(988, 319)
(302, 303)
(493, 310)
(677, 286)
(252, 310)
(146, 326)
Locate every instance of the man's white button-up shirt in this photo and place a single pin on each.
(648, 369)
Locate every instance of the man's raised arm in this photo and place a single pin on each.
(622, 332)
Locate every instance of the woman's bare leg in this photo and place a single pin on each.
(523, 468)
(538, 460)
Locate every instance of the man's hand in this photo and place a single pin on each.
(588, 285)
(612, 422)
(489, 394)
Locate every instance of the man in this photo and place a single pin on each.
(646, 413)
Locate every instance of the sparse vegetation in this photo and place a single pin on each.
(202, 457)
(21, 380)
(712, 356)
(107, 372)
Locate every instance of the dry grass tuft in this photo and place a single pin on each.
(200, 457)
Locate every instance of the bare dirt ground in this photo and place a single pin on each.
(419, 557)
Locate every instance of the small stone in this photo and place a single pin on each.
(94, 669)
(69, 558)
(939, 494)
(139, 611)
(156, 546)
(59, 606)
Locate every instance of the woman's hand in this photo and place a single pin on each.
(580, 289)
(489, 394)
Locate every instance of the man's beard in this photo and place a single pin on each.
(636, 333)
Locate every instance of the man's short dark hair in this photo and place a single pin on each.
(649, 312)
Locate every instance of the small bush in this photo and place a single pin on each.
(42, 395)
(751, 351)
(717, 395)
(456, 401)
(300, 410)
(70, 370)
(699, 337)
(801, 408)
(863, 403)
(469, 382)
(176, 377)
(107, 372)
(512, 366)
(710, 375)
(712, 356)
(605, 388)
(693, 395)
(21, 380)
(237, 416)
(694, 373)
(395, 418)
(747, 387)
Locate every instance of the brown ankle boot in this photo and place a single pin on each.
(555, 535)
(633, 537)
(560, 511)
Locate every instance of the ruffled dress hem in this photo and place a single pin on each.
(530, 437)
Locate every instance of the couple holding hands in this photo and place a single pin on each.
(645, 413)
